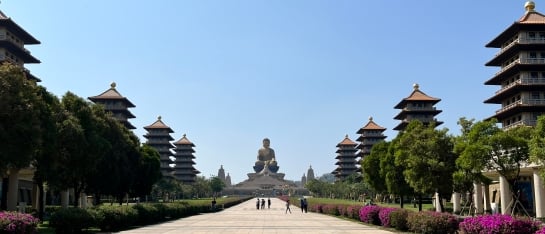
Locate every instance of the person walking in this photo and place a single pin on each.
(302, 205)
(269, 202)
(288, 206)
(305, 204)
(262, 203)
(257, 204)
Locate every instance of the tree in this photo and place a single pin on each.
(371, 167)
(428, 158)
(393, 173)
(81, 145)
(537, 145)
(216, 185)
(46, 157)
(148, 171)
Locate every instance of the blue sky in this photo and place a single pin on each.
(302, 73)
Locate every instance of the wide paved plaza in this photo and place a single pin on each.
(244, 218)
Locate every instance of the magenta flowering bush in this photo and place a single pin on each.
(330, 209)
(342, 210)
(541, 231)
(369, 214)
(353, 211)
(14, 222)
(428, 222)
(315, 208)
(498, 223)
(384, 216)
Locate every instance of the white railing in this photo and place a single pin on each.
(524, 81)
(529, 102)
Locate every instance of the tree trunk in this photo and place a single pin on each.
(41, 203)
(440, 197)
(419, 202)
(401, 201)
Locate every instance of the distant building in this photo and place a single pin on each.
(303, 180)
(159, 138)
(116, 104)
(184, 170)
(346, 159)
(228, 181)
(13, 39)
(310, 174)
(221, 174)
(418, 106)
(370, 134)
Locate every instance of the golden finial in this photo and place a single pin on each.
(370, 118)
(184, 136)
(112, 85)
(159, 117)
(415, 86)
(346, 136)
(529, 6)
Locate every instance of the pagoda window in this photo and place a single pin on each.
(531, 35)
(535, 95)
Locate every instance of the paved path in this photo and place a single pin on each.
(244, 218)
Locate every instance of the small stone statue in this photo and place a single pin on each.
(266, 158)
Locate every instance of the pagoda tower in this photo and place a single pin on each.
(228, 180)
(370, 134)
(13, 39)
(184, 170)
(346, 159)
(521, 75)
(303, 180)
(159, 138)
(310, 174)
(221, 174)
(418, 106)
(115, 103)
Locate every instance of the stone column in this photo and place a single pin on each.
(486, 198)
(437, 202)
(505, 196)
(35, 197)
(478, 197)
(83, 200)
(13, 189)
(539, 192)
(64, 199)
(456, 202)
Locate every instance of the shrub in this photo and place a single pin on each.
(369, 214)
(428, 222)
(316, 208)
(353, 211)
(398, 219)
(384, 216)
(72, 220)
(341, 209)
(498, 223)
(147, 214)
(330, 209)
(14, 222)
(114, 218)
(541, 231)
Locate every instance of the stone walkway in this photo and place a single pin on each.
(244, 218)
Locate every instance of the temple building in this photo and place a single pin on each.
(158, 137)
(228, 180)
(346, 159)
(116, 104)
(370, 134)
(184, 170)
(310, 174)
(418, 106)
(521, 94)
(303, 180)
(13, 39)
